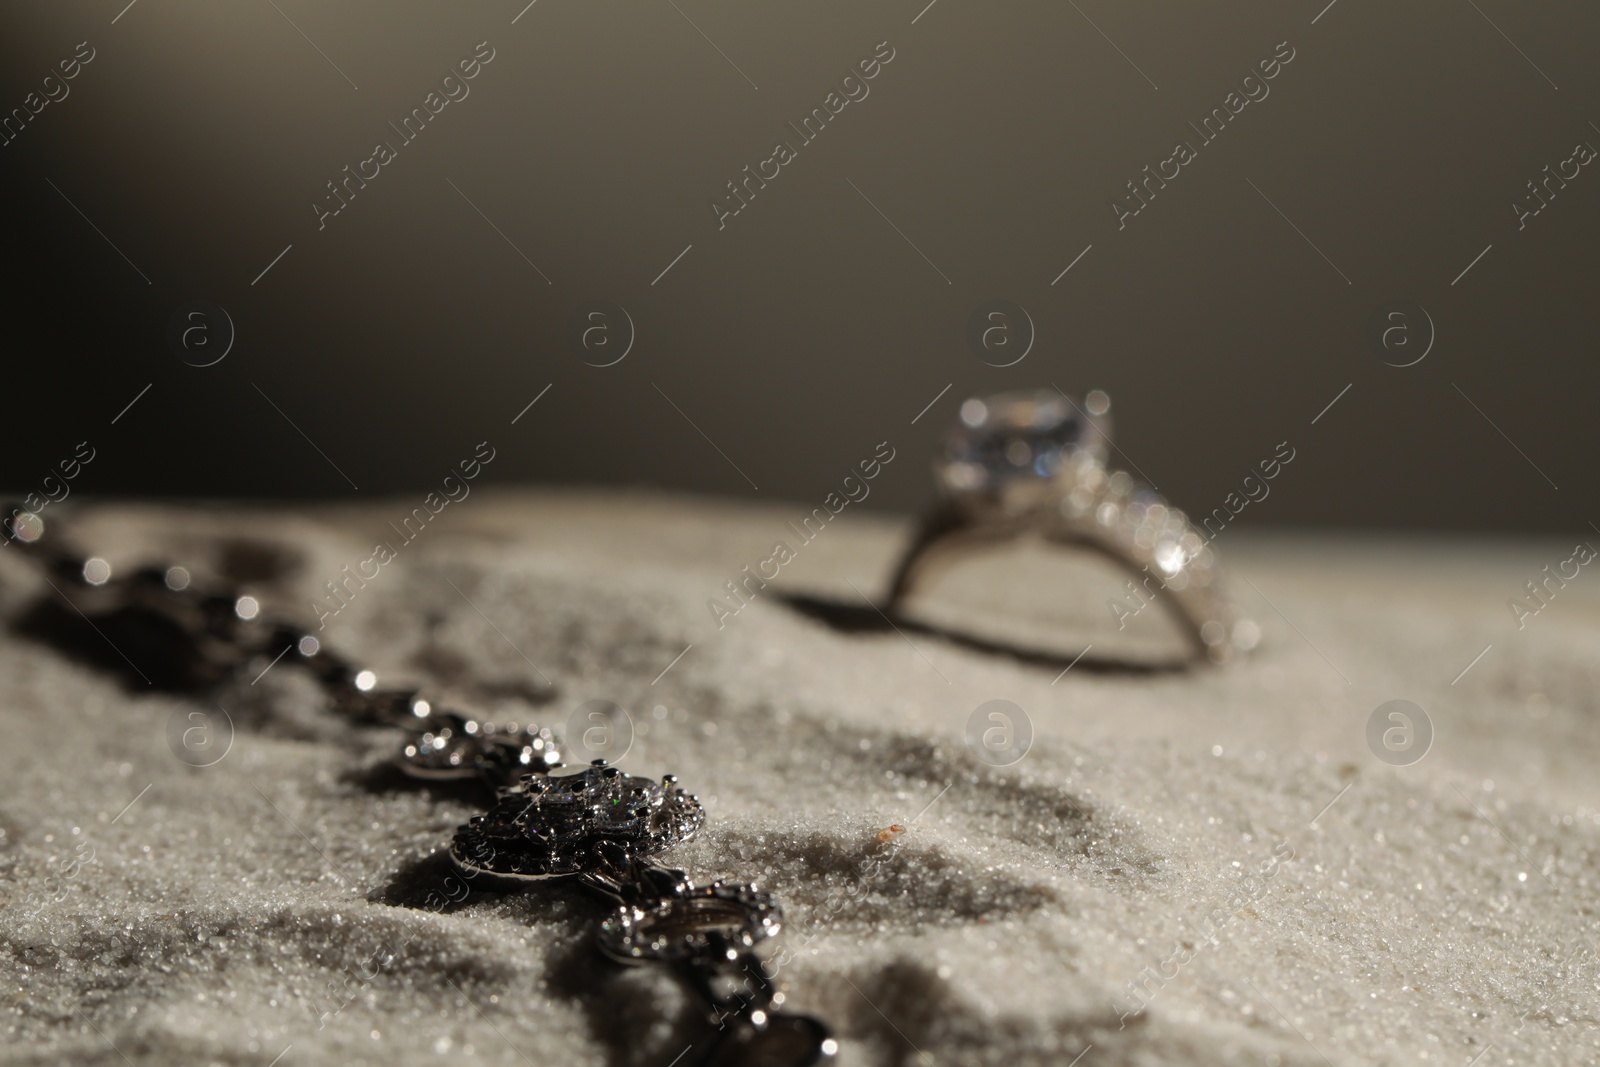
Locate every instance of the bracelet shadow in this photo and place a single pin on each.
(850, 619)
(384, 776)
(141, 649)
(637, 1015)
(641, 1016)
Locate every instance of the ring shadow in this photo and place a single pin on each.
(848, 618)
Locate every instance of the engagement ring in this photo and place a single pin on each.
(1035, 463)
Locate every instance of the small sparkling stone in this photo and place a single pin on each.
(27, 527)
(1169, 557)
(1246, 634)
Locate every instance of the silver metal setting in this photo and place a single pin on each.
(716, 920)
(451, 746)
(597, 820)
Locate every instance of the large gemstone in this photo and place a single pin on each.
(1019, 438)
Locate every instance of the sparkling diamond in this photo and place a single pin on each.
(1022, 438)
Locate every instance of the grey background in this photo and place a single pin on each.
(808, 329)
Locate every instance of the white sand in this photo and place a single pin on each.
(1434, 913)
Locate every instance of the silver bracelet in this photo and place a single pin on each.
(593, 824)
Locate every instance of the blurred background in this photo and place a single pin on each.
(184, 169)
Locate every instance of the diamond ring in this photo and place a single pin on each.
(1036, 463)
